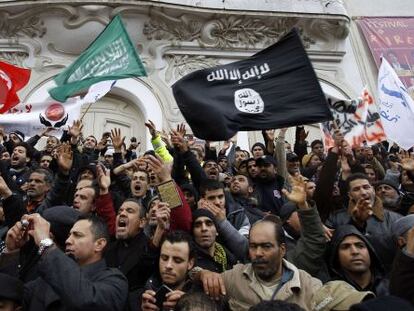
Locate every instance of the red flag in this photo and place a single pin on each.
(12, 79)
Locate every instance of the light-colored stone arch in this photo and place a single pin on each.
(132, 90)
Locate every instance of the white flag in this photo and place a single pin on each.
(396, 107)
(31, 119)
(97, 91)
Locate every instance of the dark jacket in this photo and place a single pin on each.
(136, 260)
(155, 282)
(402, 276)
(307, 252)
(377, 230)
(325, 185)
(270, 194)
(379, 284)
(205, 261)
(252, 211)
(64, 285)
(14, 207)
(236, 215)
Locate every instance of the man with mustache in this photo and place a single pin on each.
(366, 212)
(42, 191)
(267, 277)
(131, 252)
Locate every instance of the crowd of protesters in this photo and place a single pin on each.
(94, 224)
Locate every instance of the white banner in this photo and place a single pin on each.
(396, 107)
(31, 119)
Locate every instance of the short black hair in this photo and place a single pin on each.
(179, 236)
(208, 161)
(95, 188)
(198, 301)
(278, 225)
(276, 305)
(209, 185)
(142, 210)
(96, 141)
(249, 180)
(29, 149)
(99, 228)
(316, 142)
(353, 177)
(144, 171)
(47, 173)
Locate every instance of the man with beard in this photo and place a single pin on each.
(80, 279)
(5, 156)
(19, 163)
(39, 184)
(242, 189)
(211, 169)
(292, 163)
(177, 256)
(131, 251)
(239, 156)
(252, 169)
(51, 142)
(40, 194)
(267, 277)
(387, 190)
(184, 156)
(367, 213)
(15, 137)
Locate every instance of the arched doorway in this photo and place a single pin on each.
(130, 102)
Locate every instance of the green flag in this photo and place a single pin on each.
(111, 56)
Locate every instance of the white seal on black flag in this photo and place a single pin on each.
(248, 100)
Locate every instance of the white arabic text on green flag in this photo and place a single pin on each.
(111, 56)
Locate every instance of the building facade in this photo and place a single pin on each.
(173, 38)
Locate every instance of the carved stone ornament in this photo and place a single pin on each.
(329, 29)
(21, 24)
(15, 58)
(180, 65)
(224, 32)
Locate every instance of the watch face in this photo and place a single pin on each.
(46, 242)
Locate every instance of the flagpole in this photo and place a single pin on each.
(87, 109)
(408, 63)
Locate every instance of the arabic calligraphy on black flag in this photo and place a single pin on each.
(275, 88)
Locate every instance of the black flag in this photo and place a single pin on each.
(275, 88)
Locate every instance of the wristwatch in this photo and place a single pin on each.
(193, 272)
(44, 245)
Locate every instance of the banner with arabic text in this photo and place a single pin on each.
(32, 118)
(357, 119)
